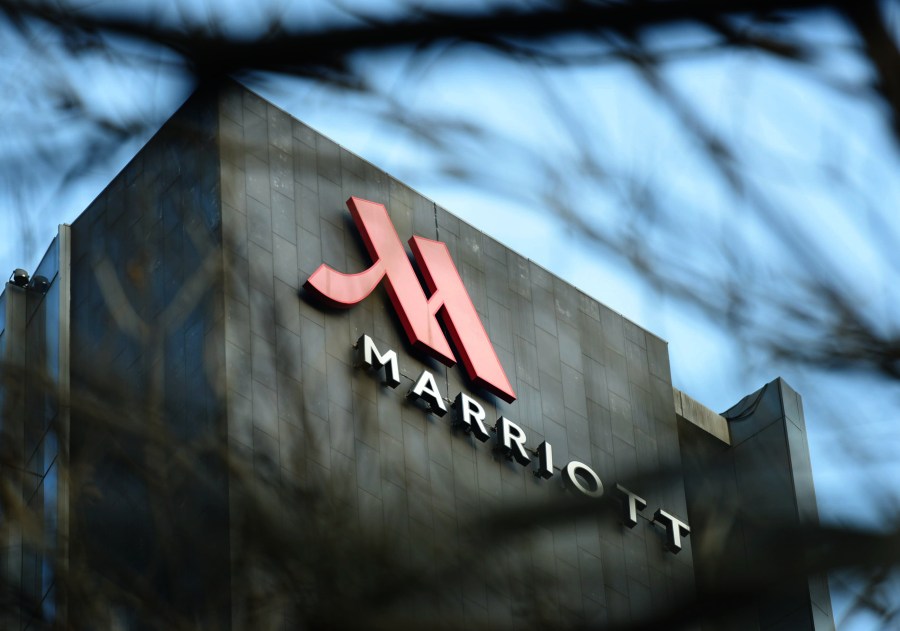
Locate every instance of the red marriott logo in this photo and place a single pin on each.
(418, 313)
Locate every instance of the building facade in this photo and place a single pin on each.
(264, 410)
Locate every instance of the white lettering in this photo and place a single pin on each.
(426, 389)
(511, 441)
(577, 473)
(545, 461)
(367, 354)
(675, 529)
(470, 416)
(633, 504)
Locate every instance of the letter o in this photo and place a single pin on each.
(577, 473)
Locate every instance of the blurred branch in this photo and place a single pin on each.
(326, 50)
(294, 532)
(881, 48)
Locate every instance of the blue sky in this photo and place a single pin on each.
(821, 155)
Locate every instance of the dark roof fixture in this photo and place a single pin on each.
(19, 277)
(39, 283)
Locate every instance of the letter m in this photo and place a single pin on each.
(448, 302)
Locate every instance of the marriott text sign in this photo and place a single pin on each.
(511, 441)
(449, 301)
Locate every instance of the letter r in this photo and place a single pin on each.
(418, 313)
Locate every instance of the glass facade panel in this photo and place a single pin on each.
(39, 432)
(49, 265)
(51, 485)
(51, 349)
